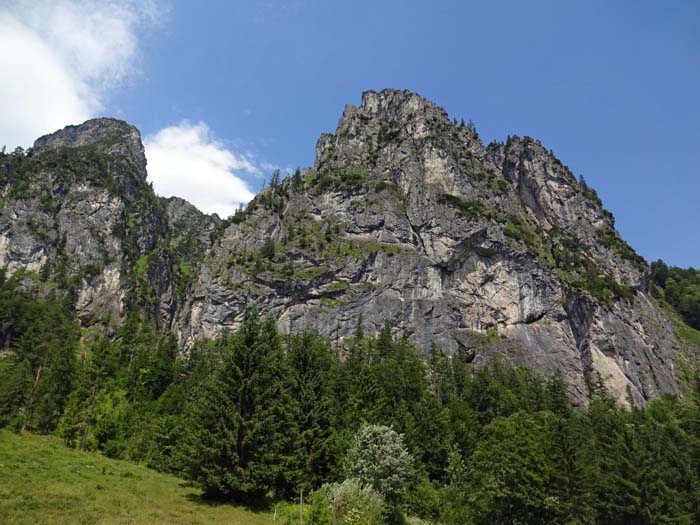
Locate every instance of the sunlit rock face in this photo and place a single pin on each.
(406, 218)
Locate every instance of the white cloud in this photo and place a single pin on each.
(188, 161)
(60, 58)
(60, 61)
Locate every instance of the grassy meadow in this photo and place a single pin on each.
(44, 482)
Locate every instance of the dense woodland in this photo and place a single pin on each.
(368, 430)
(680, 288)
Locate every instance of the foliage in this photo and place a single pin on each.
(379, 458)
(254, 416)
(582, 272)
(589, 192)
(311, 360)
(343, 178)
(268, 249)
(522, 230)
(609, 238)
(470, 209)
(43, 337)
(349, 502)
(508, 473)
(240, 423)
(272, 197)
(680, 288)
(387, 133)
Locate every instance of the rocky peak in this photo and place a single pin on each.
(384, 117)
(393, 105)
(112, 136)
(405, 218)
(178, 209)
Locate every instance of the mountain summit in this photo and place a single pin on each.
(406, 218)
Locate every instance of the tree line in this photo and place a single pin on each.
(679, 287)
(370, 431)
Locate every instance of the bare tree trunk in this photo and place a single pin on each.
(86, 423)
(30, 403)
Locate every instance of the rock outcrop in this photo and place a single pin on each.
(406, 218)
(78, 211)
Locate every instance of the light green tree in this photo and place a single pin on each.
(379, 458)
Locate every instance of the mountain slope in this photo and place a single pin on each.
(43, 481)
(406, 218)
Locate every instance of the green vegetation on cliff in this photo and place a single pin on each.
(680, 288)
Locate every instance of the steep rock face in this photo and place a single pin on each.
(77, 211)
(407, 218)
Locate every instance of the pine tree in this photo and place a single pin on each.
(441, 378)
(429, 437)
(510, 472)
(78, 419)
(574, 477)
(311, 362)
(666, 479)
(241, 439)
(618, 494)
(47, 348)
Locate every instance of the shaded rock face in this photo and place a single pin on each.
(406, 218)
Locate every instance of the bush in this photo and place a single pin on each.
(521, 230)
(470, 209)
(589, 192)
(349, 502)
(345, 179)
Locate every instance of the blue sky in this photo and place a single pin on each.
(611, 87)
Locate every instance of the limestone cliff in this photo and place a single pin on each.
(405, 218)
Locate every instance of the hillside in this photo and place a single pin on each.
(42, 481)
(128, 327)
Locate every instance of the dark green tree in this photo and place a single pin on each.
(510, 473)
(571, 445)
(241, 437)
(311, 360)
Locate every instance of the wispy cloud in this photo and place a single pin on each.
(187, 160)
(61, 58)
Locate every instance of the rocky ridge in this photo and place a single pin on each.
(406, 218)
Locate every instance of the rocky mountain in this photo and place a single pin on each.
(405, 218)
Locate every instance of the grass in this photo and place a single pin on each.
(42, 481)
(141, 266)
(470, 209)
(688, 358)
(609, 238)
(688, 336)
(362, 250)
(521, 230)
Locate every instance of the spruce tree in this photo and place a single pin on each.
(241, 431)
(510, 473)
(575, 474)
(310, 363)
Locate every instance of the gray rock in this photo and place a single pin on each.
(414, 250)
(112, 136)
(405, 218)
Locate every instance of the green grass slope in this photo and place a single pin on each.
(44, 482)
(689, 340)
